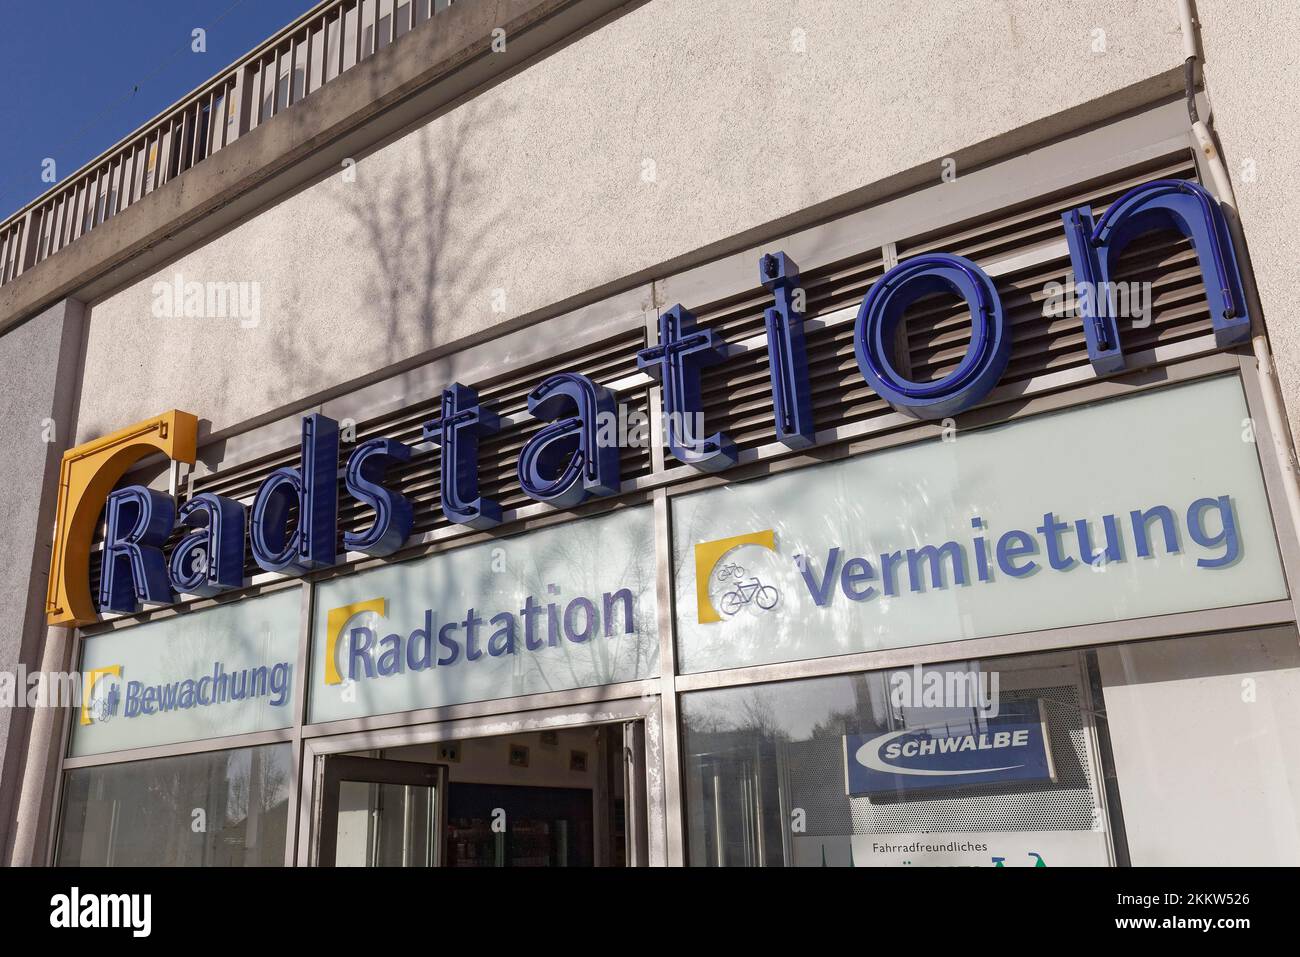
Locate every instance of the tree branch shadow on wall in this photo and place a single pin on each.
(414, 281)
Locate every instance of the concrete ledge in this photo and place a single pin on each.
(425, 70)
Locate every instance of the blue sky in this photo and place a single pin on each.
(78, 75)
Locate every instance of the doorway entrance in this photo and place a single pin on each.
(564, 797)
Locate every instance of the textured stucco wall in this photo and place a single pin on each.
(39, 363)
(1250, 64)
(540, 190)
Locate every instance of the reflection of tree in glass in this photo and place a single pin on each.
(218, 808)
(590, 561)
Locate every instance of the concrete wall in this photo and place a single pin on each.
(1206, 755)
(1249, 70)
(38, 360)
(653, 141)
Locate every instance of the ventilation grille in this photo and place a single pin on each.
(1022, 248)
(936, 330)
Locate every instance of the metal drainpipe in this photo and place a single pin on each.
(1270, 387)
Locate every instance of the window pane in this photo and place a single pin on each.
(775, 773)
(1170, 752)
(223, 808)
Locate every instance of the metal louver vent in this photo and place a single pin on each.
(1023, 248)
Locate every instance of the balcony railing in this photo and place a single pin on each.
(326, 41)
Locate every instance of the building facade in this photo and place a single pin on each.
(669, 433)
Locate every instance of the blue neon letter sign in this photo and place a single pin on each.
(882, 310)
(566, 461)
(787, 356)
(134, 569)
(457, 430)
(676, 362)
(1162, 204)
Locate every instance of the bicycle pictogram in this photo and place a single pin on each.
(754, 590)
(731, 570)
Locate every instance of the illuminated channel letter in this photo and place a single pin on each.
(314, 488)
(882, 310)
(676, 362)
(1161, 204)
(393, 513)
(565, 462)
(134, 570)
(786, 356)
(210, 559)
(462, 423)
(86, 476)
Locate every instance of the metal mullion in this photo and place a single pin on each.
(85, 207)
(300, 700)
(189, 136)
(65, 221)
(216, 98)
(294, 46)
(326, 59)
(161, 153)
(227, 95)
(1067, 637)
(609, 709)
(162, 162)
(307, 65)
(65, 746)
(131, 184)
(49, 216)
(49, 238)
(484, 710)
(228, 742)
(121, 184)
(361, 29)
(115, 172)
(203, 135)
(1284, 526)
(106, 190)
(1047, 393)
(275, 85)
(54, 242)
(257, 94)
(148, 160)
(342, 38)
(670, 728)
(41, 236)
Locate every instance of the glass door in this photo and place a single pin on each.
(376, 812)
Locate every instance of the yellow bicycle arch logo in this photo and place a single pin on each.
(707, 556)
